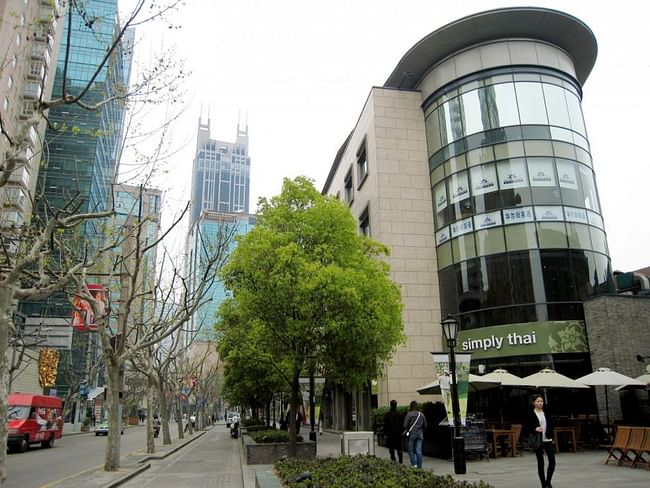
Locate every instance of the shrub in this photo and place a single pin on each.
(271, 435)
(249, 422)
(362, 472)
(377, 417)
(257, 427)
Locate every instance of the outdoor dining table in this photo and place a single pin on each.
(573, 447)
(508, 434)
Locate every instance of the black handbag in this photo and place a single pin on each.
(534, 441)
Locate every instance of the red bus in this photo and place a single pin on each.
(32, 419)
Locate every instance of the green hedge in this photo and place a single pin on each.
(271, 435)
(257, 427)
(377, 417)
(249, 422)
(363, 471)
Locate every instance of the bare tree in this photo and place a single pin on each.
(41, 256)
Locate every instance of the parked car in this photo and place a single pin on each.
(32, 419)
(102, 428)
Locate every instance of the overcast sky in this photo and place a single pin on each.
(301, 70)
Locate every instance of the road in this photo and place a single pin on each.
(70, 455)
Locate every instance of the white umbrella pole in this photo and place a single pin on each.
(607, 409)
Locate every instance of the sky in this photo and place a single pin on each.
(298, 72)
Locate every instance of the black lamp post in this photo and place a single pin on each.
(450, 330)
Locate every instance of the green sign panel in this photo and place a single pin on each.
(524, 339)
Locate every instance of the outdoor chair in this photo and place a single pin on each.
(517, 428)
(643, 456)
(620, 443)
(634, 446)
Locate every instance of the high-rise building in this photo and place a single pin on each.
(472, 163)
(213, 234)
(220, 173)
(30, 33)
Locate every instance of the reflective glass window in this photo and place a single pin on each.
(521, 278)
(559, 284)
(448, 292)
(509, 150)
(560, 134)
(455, 164)
(437, 175)
(432, 125)
(513, 183)
(463, 248)
(588, 188)
(443, 253)
(490, 241)
(556, 106)
(567, 174)
(480, 155)
(473, 113)
(484, 187)
(564, 150)
(531, 103)
(582, 264)
(602, 274)
(520, 237)
(598, 240)
(543, 181)
(538, 148)
(495, 281)
(578, 235)
(551, 235)
(451, 126)
(583, 156)
(503, 110)
(575, 114)
(441, 205)
(468, 281)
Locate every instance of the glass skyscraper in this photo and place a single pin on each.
(220, 173)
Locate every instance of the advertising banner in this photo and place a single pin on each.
(83, 317)
(443, 371)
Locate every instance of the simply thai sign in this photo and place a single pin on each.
(524, 339)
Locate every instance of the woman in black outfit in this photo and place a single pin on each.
(537, 420)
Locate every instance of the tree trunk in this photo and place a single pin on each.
(179, 419)
(293, 410)
(151, 448)
(112, 456)
(164, 414)
(7, 308)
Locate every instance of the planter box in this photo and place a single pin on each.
(272, 452)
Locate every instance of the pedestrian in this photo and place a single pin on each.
(539, 422)
(299, 418)
(414, 426)
(393, 428)
(320, 421)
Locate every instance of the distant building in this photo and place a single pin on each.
(472, 164)
(30, 34)
(214, 232)
(220, 173)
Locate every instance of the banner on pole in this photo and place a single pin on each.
(443, 371)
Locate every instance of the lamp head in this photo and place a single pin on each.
(450, 328)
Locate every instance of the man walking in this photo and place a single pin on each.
(393, 421)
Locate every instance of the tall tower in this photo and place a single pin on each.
(220, 173)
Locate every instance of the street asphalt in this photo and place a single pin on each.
(212, 459)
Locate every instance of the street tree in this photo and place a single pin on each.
(42, 255)
(318, 291)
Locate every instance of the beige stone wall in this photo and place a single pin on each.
(398, 194)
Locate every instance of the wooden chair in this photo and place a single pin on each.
(517, 428)
(634, 446)
(643, 451)
(620, 443)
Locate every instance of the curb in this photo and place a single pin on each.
(154, 456)
(128, 476)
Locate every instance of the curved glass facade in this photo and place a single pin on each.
(519, 232)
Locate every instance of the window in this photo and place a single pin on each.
(362, 163)
(5, 104)
(10, 81)
(364, 222)
(349, 188)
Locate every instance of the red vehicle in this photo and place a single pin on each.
(32, 419)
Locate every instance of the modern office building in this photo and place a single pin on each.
(220, 173)
(30, 33)
(472, 163)
(213, 234)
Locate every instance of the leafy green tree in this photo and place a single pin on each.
(316, 293)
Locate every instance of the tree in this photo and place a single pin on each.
(317, 292)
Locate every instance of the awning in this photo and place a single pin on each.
(95, 392)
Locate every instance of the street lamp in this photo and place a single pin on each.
(450, 330)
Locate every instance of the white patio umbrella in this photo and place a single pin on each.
(504, 378)
(644, 378)
(549, 378)
(476, 383)
(607, 377)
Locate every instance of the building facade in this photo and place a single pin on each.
(472, 162)
(220, 173)
(30, 33)
(212, 235)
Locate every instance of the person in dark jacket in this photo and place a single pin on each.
(393, 428)
(539, 421)
(415, 424)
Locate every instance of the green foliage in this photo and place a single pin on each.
(250, 423)
(362, 472)
(270, 436)
(377, 416)
(309, 291)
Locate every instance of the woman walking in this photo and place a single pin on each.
(414, 426)
(540, 423)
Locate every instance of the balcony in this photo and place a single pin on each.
(20, 177)
(36, 70)
(32, 91)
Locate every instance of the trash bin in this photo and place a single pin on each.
(358, 443)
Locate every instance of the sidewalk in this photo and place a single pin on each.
(212, 459)
(130, 466)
